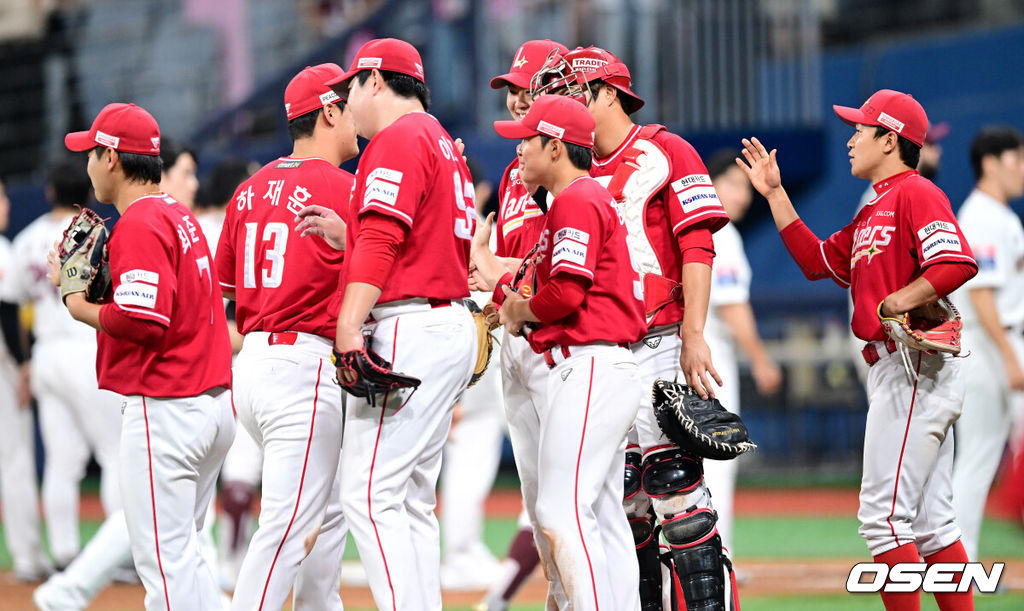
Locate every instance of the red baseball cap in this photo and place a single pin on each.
(552, 115)
(308, 90)
(123, 127)
(899, 112)
(389, 54)
(528, 60)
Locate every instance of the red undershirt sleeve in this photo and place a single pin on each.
(498, 296)
(117, 324)
(560, 297)
(697, 246)
(376, 248)
(805, 248)
(947, 277)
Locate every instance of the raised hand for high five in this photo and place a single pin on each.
(763, 169)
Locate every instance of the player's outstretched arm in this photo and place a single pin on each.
(323, 222)
(486, 269)
(762, 169)
(695, 357)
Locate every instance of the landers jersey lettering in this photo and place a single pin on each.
(685, 201)
(586, 237)
(161, 269)
(908, 227)
(411, 172)
(282, 281)
(520, 219)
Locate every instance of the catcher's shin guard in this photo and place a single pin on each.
(698, 559)
(645, 535)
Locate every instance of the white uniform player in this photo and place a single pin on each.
(18, 496)
(901, 251)
(992, 305)
(76, 418)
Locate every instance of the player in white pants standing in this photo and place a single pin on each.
(284, 393)
(411, 220)
(76, 418)
(586, 297)
(731, 325)
(901, 251)
(18, 495)
(992, 305)
(163, 344)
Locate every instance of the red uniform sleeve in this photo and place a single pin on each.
(937, 236)
(560, 297)
(373, 256)
(697, 246)
(224, 260)
(142, 269)
(338, 184)
(577, 234)
(401, 171)
(817, 259)
(117, 324)
(946, 277)
(691, 199)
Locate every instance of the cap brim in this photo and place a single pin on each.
(852, 116)
(636, 101)
(520, 79)
(79, 141)
(514, 130)
(340, 83)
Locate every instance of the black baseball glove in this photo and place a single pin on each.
(699, 426)
(373, 374)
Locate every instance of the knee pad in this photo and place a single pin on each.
(671, 472)
(697, 558)
(632, 475)
(642, 527)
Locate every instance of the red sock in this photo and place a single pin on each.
(524, 551)
(900, 601)
(952, 601)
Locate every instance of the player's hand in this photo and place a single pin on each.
(482, 235)
(695, 361)
(477, 282)
(511, 313)
(767, 376)
(53, 264)
(1014, 374)
(490, 311)
(763, 169)
(347, 339)
(24, 385)
(323, 222)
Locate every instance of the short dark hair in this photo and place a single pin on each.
(993, 140)
(137, 168)
(69, 180)
(580, 156)
(403, 85)
(222, 181)
(302, 126)
(170, 150)
(721, 162)
(910, 153)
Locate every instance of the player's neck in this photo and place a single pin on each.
(307, 148)
(563, 176)
(611, 132)
(889, 167)
(393, 109)
(991, 188)
(132, 191)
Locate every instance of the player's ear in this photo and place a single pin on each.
(112, 159)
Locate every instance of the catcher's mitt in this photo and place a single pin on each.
(84, 263)
(699, 426)
(931, 328)
(484, 341)
(373, 374)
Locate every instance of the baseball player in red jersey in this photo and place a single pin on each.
(903, 250)
(163, 344)
(284, 390)
(524, 373)
(585, 309)
(411, 220)
(671, 209)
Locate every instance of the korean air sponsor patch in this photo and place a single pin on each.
(695, 191)
(570, 247)
(934, 226)
(941, 241)
(140, 275)
(136, 294)
(382, 187)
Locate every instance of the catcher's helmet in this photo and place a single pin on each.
(573, 72)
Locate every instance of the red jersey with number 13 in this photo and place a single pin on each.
(585, 237)
(161, 271)
(281, 280)
(412, 172)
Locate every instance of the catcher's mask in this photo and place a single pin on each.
(571, 73)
